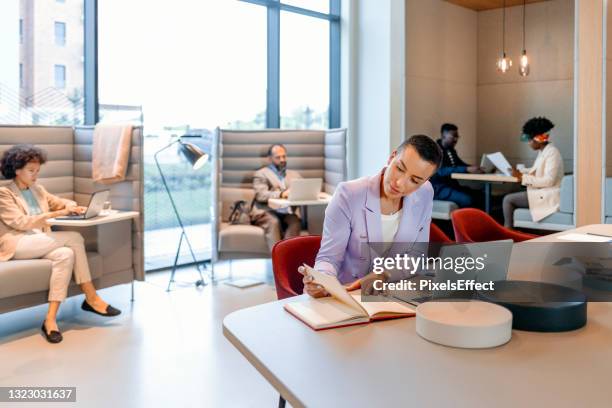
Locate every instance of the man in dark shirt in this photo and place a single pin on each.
(445, 187)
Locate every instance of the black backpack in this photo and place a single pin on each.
(240, 213)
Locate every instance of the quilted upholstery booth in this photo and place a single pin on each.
(114, 250)
(313, 153)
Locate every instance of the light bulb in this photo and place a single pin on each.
(504, 63)
(524, 65)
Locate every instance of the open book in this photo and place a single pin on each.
(342, 308)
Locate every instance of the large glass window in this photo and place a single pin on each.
(303, 63)
(209, 70)
(39, 82)
(304, 72)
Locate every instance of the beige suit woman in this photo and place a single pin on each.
(25, 208)
(543, 179)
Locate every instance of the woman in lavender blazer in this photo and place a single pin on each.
(391, 206)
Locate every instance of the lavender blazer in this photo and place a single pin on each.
(352, 219)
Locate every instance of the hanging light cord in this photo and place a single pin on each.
(524, 11)
(504, 30)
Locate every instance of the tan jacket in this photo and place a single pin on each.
(267, 185)
(543, 182)
(15, 218)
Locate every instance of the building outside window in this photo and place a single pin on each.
(60, 76)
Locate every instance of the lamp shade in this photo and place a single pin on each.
(193, 153)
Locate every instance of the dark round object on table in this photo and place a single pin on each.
(539, 306)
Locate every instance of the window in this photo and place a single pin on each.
(60, 76)
(214, 78)
(244, 67)
(60, 34)
(304, 72)
(32, 89)
(303, 63)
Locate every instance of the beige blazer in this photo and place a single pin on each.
(543, 182)
(15, 218)
(267, 185)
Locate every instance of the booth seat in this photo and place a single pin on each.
(442, 209)
(559, 221)
(114, 250)
(239, 153)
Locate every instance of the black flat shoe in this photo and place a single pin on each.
(110, 311)
(53, 337)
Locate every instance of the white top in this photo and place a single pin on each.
(390, 225)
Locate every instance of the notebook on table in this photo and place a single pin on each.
(342, 308)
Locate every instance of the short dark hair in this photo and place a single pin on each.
(273, 146)
(425, 146)
(18, 156)
(448, 127)
(537, 126)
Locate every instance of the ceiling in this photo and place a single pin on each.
(480, 5)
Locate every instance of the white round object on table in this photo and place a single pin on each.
(464, 324)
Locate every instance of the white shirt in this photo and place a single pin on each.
(390, 225)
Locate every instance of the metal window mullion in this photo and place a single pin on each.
(90, 77)
(334, 66)
(273, 80)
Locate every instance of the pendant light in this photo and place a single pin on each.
(504, 63)
(524, 63)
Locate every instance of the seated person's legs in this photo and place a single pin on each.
(272, 227)
(512, 202)
(292, 225)
(66, 251)
(460, 197)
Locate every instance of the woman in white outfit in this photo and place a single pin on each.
(25, 206)
(543, 180)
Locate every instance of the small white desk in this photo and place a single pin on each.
(276, 203)
(114, 216)
(387, 364)
(487, 180)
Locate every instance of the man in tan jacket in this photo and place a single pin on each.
(274, 181)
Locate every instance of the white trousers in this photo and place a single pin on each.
(65, 250)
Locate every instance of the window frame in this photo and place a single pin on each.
(273, 57)
(55, 76)
(60, 41)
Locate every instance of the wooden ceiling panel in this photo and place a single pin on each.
(480, 5)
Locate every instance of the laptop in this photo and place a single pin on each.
(305, 189)
(96, 202)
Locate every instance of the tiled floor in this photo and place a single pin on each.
(165, 350)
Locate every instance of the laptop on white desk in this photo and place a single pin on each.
(96, 202)
(303, 189)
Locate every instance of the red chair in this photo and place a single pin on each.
(437, 235)
(287, 256)
(473, 225)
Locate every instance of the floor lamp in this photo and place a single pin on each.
(196, 158)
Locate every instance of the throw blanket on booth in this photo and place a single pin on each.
(111, 152)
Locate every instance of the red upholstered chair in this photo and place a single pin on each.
(473, 225)
(287, 256)
(437, 235)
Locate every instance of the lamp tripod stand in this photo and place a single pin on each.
(197, 158)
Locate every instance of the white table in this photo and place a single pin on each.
(114, 216)
(388, 364)
(277, 203)
(487, 180)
